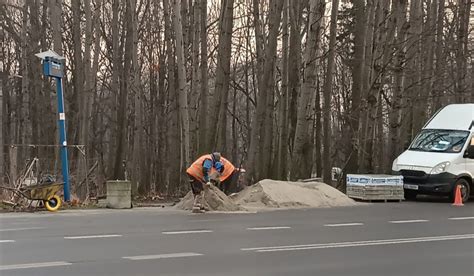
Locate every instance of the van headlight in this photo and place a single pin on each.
(395, 165)
(440, 168)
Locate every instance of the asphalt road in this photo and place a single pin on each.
(408, 238)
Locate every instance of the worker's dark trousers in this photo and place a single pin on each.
(197, 188)
(196, 185)
(229, 185)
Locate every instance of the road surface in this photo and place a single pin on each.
(408, 238)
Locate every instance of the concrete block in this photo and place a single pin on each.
(119, 194)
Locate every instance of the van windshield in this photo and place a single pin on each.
(439, 140)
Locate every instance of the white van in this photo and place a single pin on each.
(441, 156)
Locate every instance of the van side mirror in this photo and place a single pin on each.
(470, 150)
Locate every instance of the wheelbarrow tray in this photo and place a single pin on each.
(42, 191)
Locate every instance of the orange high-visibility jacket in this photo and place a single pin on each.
(196, 169)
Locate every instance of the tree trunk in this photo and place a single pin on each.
(388, 40)
(86, 98)
(77, 105)
(218, 122)
(173, 154)
(438, 83)
(318, 132)
(294, 63)
(259, 41)
(374, 87)
(182, 88)
(203, 108)
(34, 96)
(115, 164)
(429, 34)
(464, 9)
(23, 114)
(161, 125)
(195, 80)
(55, 10)
(258, 123)
(364, 135)
(400, 7)
(301, 168)
(265, 155)
(413, 116)
(282, 147)
(121, 161)
(3, 81)
(140, 183)
(327, 162)
(357, 68)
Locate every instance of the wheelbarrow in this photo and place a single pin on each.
(46, 192)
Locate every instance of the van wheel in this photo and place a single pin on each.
(465, 189)
(410, 195)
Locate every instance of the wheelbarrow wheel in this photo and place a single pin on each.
(53, 203)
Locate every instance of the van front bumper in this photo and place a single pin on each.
(429, 184)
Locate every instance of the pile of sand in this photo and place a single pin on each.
(214, 200)
(283, 194)
(271, 194)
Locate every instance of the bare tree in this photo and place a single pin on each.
(357, 72)
(439, 61)
(182, 87)
(56, 24)
(258, 126)
(3, 81)
(328, 83)
(203, 110)
(399, 19)
(138, 76)
(117, 134)
(282, 144)
(302, 149)
(294, 63)
(218, 125)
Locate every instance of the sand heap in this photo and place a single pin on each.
(271, 194)
(214, 200)
(283, 194)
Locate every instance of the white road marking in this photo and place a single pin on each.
(205, 220)
(408, 221)
(162, 256)
(33, 265)
(461, 218)
(5, 241)
(344, 224)
(92, 237)
(186, 232)
(21, 229)
(358, 243)
(268, 228)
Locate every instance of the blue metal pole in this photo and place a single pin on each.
(62, 138)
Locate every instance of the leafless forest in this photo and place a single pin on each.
(286, 89)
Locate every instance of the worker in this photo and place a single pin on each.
(200, 172)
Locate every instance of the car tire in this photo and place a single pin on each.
(465, 190)
(410, 194)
